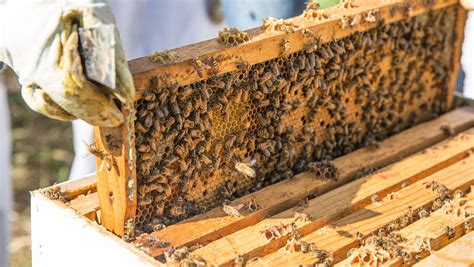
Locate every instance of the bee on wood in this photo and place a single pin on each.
(242, 65)
(129, 228)
(198, 66)
(447, 130)
(375, 199)
(360, 237)
(107, 160)
(239, 261)
(188, 108)
(190, 171)
(300, 216)
(285, 46)
(111, 142)
(232, 211)
(467, 225)
(450, 231)
(213, 65)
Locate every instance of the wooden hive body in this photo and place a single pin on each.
(336, 81)
(416, 208)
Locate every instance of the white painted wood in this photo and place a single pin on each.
(61, 237)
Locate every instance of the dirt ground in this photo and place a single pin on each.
(42, 154)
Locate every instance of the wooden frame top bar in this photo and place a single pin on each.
(266, 45)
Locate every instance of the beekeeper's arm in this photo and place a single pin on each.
(39, 40)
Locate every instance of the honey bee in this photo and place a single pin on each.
(285, 46)
(143, 148)
(107, 160)
(185, 92)
(229, 142)
(242, 65)
(450, 231)
(172, 136)
(375, 198)
(165, 111)
(227, 155)
(245, 95)
(263, 103)
(245, 169)
(198, 66)
(183, 165)
(110, 142)
(148, 121)
(175, 109)
(217, 84)
(264, 147)
(232, 211)
(275, 69)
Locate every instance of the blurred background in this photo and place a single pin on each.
(36, 162)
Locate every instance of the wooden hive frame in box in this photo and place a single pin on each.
(374, 102)
(420, 203)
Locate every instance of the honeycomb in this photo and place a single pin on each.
(163, 57)
(285, 113)
(232, 36)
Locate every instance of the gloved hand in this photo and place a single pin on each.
(468, 4)
(39, 40)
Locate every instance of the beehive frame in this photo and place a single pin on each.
(118, 188)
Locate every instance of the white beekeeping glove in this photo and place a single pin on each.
(468, 4)
(39, 40)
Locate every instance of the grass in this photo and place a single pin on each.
(42, 155)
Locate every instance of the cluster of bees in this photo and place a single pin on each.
(283, 114)
(53, 193)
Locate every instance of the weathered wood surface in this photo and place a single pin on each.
(339, 202)
(457, 254)
(86, 205)
(117, 187)
(276, 198)
(432, 231)
(339, 237)
(72, 189)
(267, 45)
